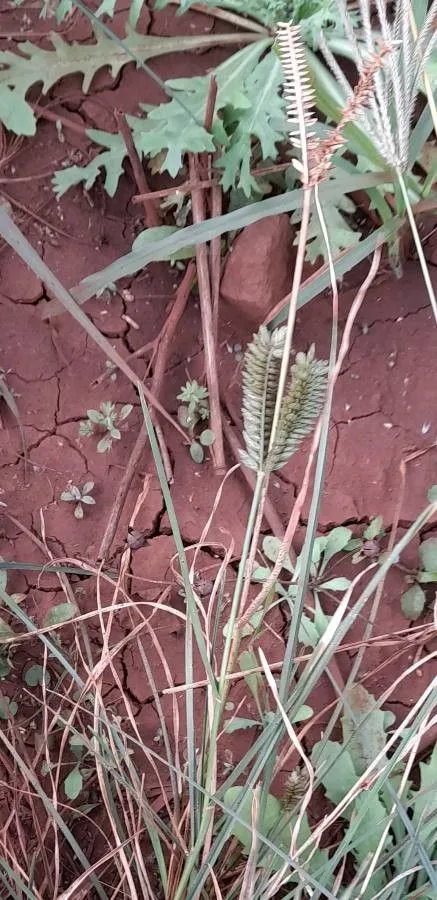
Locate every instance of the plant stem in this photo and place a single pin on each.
(151, 208)
(241, 578)
(223, 686)
(297, 278)
(228, 16)
(418, 244)
(205, 294)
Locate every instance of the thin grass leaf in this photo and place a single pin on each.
(211, 228)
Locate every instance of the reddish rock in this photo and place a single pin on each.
(17, 281)
(259, 268)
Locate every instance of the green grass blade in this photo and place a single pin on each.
(206, 231)
(414, 835)
(13, 876)
(420, 133)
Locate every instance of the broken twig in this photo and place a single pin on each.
(166, 336)
(203, 278)
(151, 209)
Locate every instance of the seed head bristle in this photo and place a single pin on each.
(295, 788)
(360, 97)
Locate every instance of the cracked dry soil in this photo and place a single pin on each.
(384, 404)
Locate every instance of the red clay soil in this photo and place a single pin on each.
(384, 402)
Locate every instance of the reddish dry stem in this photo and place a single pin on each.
(166, 336)
(205, 294)
(184, 188)
(151, 210)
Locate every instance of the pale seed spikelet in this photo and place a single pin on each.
(295, 788)
(262, 362)
(301, 405)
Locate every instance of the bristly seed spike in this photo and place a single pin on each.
(298, 94)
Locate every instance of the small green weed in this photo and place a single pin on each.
(74, 782)
(375, 833)
(369, 545)
(106, 419)
(193, 411)
(80, 496)
(414, 600)
(314, 621)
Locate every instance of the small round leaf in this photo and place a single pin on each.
(73, 784)
(88, 500)
(428, 554)
(104, 444)
(374, 529)
(94, 416)
(432, 494)
(36, 675)
(196, 451)
(125, 411)
(8, 708)
(183, 416)
(207, 437)
(413, 602)
(59, 614)
(87, 488)
(78, 511)
(67, 496)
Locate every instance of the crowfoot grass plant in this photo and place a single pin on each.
(143, 799)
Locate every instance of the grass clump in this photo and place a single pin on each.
(175, 814)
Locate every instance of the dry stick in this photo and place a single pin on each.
(151, 213)
(167, 334)
(43, 113)
(34, 215)
(185, 188)
(403, 635)
(152, 219)
(228, 16)
(209, 344)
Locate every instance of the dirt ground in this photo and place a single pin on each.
(384, 402)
